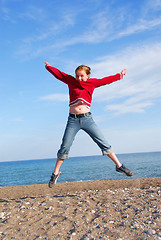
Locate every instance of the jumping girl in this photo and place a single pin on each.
(81, 88)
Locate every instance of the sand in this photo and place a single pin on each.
(106, 209)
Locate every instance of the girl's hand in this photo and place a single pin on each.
(124, 71)
(47, 64)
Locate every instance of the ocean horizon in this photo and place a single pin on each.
(83, 168)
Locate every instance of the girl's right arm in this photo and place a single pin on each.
(58, 74)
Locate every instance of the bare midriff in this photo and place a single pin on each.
(79, 108)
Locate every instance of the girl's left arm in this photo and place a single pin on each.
(109, 79)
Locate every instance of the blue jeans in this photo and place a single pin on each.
(87, 124)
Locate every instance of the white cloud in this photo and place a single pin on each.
(56, 97)
(141, 88)
(140, 26)
(105, 26)
(152, 5)
(33, 13)
(46, 40)
(6, 15)
(128, 108)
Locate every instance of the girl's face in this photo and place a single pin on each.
(81, 75)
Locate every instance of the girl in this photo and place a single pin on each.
(80, 91)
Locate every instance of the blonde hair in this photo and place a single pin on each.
(84, 68)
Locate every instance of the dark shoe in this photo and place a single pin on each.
(53, 179)
(124, 170)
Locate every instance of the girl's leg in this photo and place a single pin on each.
(114, 158)
(91, 128)
(56, 173)
(71, 130)
(58, 165)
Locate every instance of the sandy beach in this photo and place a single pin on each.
(106, 209)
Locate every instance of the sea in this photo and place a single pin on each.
(76, 169)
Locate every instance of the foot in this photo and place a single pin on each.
(53, 179)
(124, 170)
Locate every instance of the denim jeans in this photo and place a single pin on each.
(87, 124)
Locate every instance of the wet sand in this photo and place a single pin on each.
(106, 209)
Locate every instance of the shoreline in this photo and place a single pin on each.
(106, 209)
(42, 189)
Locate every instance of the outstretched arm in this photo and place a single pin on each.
(59, 74)
(56, 72)
(109, 79)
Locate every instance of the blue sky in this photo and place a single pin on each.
(106, 35)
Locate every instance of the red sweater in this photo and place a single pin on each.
(81, 90)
